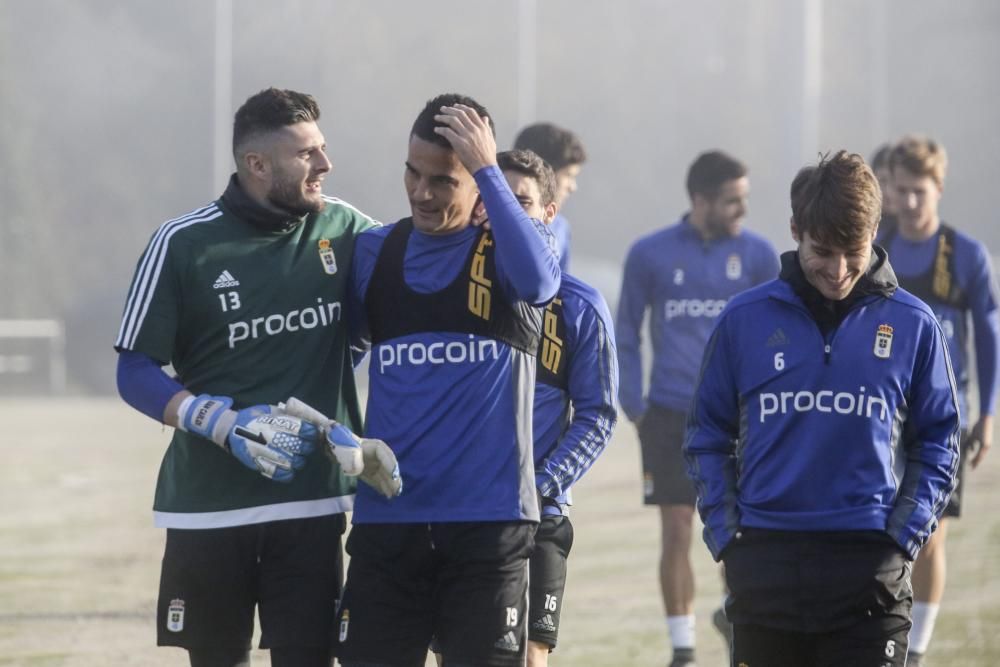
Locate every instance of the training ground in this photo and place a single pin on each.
(79, 556)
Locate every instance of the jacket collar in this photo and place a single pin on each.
(879, 280)
(245, 208)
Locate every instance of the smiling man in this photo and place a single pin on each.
(454, 316)
(683, 275)
(575, 407)
(244, 297)
(823, 439)
(952, 273)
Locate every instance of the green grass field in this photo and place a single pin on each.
(79, 557)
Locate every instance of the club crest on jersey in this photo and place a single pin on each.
(327, 256)
(883, 341)
(175, 615)
(734, 267)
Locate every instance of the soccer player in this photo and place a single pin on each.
(683, 276)
(565, 153)
(950, 272)
(823, 438)
(245, 297)
(454, 318)
(575, 407)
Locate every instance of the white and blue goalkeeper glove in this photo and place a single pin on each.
(369, 459)
(260, 437)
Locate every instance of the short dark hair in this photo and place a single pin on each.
(556, 145)
(269, 110)
(880, 158)
(423, 126)
(710, 171)
(531, 165)
(838, 201)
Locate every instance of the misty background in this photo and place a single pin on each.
(116, 116)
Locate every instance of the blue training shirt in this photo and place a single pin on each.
(456, 408)
(684, 282)
(795, 430)
(143, 384)
(974, 274)
(572, 424)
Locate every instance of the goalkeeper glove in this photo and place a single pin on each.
(379, 468)
(261, 438)
(371, 460)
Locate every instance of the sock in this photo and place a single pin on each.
(924, 616)
(681, 631)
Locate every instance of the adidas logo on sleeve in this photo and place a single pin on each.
(224, 280)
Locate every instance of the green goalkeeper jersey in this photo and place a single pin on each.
(260, 316)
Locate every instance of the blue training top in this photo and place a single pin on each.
(684, 282)
(576, 411)
(793, 429)
(143, 384)
(977, 301)
(456, 407)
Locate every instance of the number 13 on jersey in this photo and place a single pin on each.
(229, 301)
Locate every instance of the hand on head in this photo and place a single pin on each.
(470, 136)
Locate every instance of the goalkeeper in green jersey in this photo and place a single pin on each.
(244, 297)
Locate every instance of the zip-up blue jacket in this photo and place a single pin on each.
(575, 410)
(795, 430)
(684, 282)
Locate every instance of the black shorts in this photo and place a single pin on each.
(547, 578)
(212, 579)
(664, 471)
(816, 582)
(463, 584)
(953, 509)
(875, 642)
